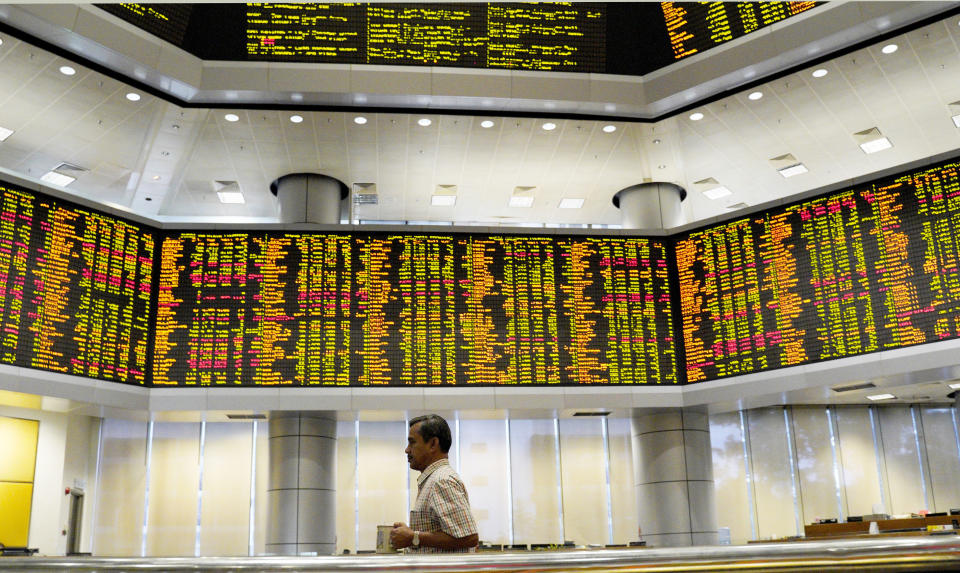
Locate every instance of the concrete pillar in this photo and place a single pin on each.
(302, 491)
(650, 206)
(673, 477)
(309, 198)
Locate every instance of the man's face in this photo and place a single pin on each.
(418, 451)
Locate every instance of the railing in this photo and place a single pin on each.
(928, 553)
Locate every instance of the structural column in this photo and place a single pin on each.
(309, 198)
(301, 494)
(650, 205)
(673, 477)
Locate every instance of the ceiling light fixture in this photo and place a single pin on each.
(156, 178)
(755, 96)
(233, 197)
(5, 133)
(792, 170)
(609, 128)
(889, 48)
(231, 117)
(549, 126)
(876, 397)
(956, 121)
(521, 201)
(296, 119)
(424, 122)
(820, 73)
(359, 120)
(954, 385)
(876, 145)
(57, 178)
(570, 203)
(486, 124)
(443, 200)
(717, 193)
(67, 70)
(133, 96)
(696, 116)
(661, 166)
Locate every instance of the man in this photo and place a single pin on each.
(440, 520)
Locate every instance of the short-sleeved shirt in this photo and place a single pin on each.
(442, 505)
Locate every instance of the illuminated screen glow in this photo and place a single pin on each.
(376, 309)
(871, 268)
(75, 289)
(632, 38)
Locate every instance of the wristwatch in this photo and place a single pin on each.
(416, 539)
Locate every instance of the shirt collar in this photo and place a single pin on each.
(430, 469)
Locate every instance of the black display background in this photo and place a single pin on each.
(636, 39)
(866, 269)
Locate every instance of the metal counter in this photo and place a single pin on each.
(921, 553)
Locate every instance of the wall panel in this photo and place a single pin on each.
(174, 486)
(225, 497)
(733, 497)
(623, 494)
(858, 460)
(484, 460)
(904, 475)
(770, 463)
(815, 467)
(120, 496)
(536, 489)
(583, 465)
(943, 457)
(382, 475)
(346, 486)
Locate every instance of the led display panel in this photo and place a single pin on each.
(871, 268)
(75, 289)
(385, 309)
(631, 38)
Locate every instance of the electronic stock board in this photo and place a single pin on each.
(591, 37)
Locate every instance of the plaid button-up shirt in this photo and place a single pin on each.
(442, 505)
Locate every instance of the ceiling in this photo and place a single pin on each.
(159, 160)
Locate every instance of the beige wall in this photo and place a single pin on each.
(776, 469)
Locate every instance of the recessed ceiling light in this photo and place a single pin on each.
(755, 96)
(881, 397)
(296, 97)
(67, 70)
(230, 197)
(661, 166)
(424, 122)
(5, 133)
(955, 385)
(793, 170)
(889, 48)
(156, 178)
(443, 200)
(1, 41)
(696, 116)
(656, 142)
(549, 126)
(133, 96)
(716, 193)
(820, 73)
(359, 120)
(609, 128)
(296, 119)
(486, 124)
(57, 178)
(876, 145)
(956, 121)
(231, 117)
(571, 203)
(521, 201)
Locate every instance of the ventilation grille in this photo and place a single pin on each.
(246, 416)
(591, 413)
(365, 194)
(852, 387)
(69, 169)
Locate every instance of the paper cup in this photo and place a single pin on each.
(383, 539)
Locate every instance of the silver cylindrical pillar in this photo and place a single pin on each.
(673, 477)
(650, 206)
(301, 495)
(309, 198)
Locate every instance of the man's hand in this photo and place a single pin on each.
(401, 536)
